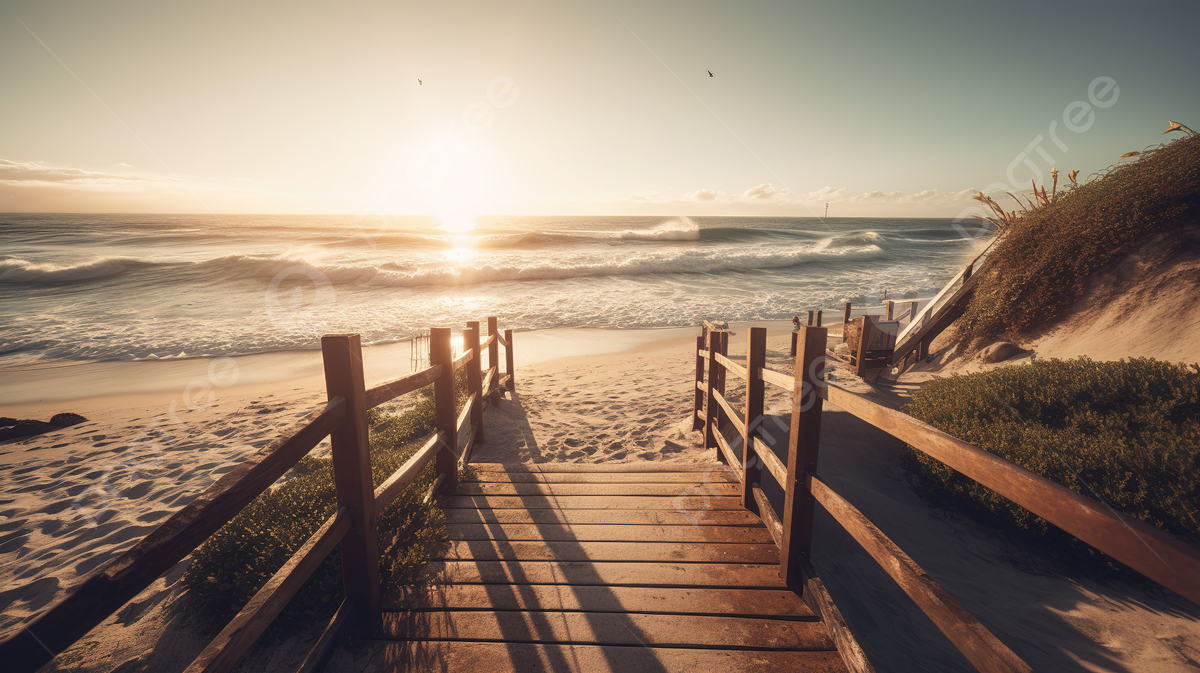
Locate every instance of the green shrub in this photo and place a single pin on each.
(237, 560)
(1048, 255)
(1123, 432)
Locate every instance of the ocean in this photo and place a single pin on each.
(137, 287)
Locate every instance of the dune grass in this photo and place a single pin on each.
(1126, 432)
(237, 560)
(1049, 253)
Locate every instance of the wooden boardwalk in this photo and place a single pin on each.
(564, 567)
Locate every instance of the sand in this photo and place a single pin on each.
(583, 396)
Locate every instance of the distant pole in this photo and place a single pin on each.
(826, 209)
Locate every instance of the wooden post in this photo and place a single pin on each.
(756, 359)
(474, 378)
(508, 361)
(445, 418)
(494, 350)
(967, 271)
(818, 318)
(912, 311)
(710, 402)
(889, 307)
(342, 355)
(795, 333)
(722, 417)
(803, 443)
(810, 320)
(864, 336)
(845, 320)
(697, 423)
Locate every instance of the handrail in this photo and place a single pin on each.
(236, 639)
(730, 455)
(734, 416)
(702, 352)
(731, 366)
(399, 480)
(123, 578)
(1152, 552)
(767, 457)
(768, 515)
(487, 379)
(488, 342)
(785, 381)
(973, 639)
(465, 414)
(501, 340)
(405, 384)
(461, 360)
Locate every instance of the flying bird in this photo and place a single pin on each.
(710, 73)
(419, 82)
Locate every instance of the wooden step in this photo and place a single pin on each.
(679, 503)
(597, 489)
(608, 533)
(425, 655)
(583, 573)
(607, 628)
(659, 552)
(776, 603)
(638, 517)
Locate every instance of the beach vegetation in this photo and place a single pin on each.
(232, 565)
(1053, 247)
(1126, 433)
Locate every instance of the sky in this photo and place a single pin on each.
(877, 108)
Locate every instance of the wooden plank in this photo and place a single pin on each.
(703, 352)
(977, 644)
(777, 379)
(684, 503)
(768, 458)
(661, 552)
(804, 439)
(320, 653)
(582, 573)
(399, 480)
(728, 452)
(719, 488)
(632, 517)
(778, 603)
(716, 476)
(1154, 553)
(819, 600)
(732, 415)
(608, 533)
(236, 639)
(440, 655)
(351, 455)
(403, 385)
(458, 362)
(460, 423)
(445, 419)
(645, 466)
(488, 378)
(126, 576)
(770, 518)
(737, 369)
(592, 628)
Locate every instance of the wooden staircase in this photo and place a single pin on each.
(566, 567)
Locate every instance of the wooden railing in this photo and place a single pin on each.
(343, 418)
(1150, 551)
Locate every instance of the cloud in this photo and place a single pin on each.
(649, 197)
(704, 195)
(12, 171)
